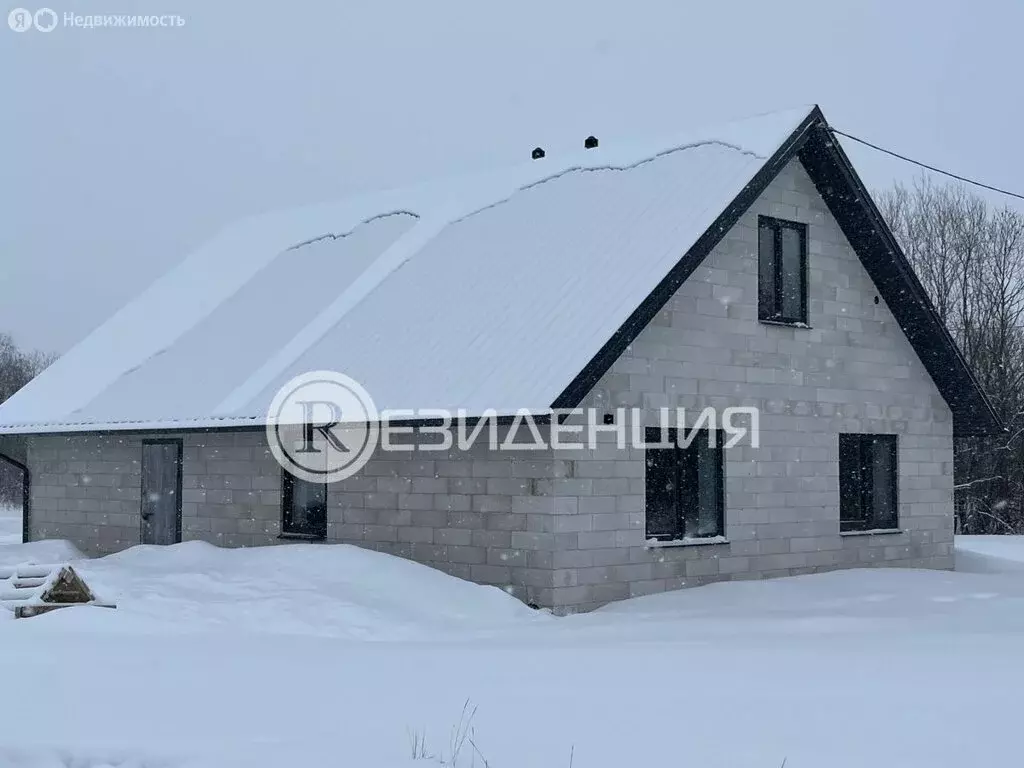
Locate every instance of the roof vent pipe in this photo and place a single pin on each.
(590, 142)
(538, 153)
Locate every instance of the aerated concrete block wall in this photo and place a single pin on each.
(853, 370)
(566, 529)
(479, 515)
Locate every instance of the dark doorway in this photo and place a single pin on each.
(161, 491)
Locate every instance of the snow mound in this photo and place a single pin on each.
(333, 590)
(842, 604)
(36, 552)
(10, 526)
(990, 554)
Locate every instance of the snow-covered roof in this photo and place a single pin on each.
(486, 291)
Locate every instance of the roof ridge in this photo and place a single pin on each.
(580, 168)
(406, 247)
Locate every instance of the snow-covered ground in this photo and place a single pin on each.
(10, 525)
(332, 656)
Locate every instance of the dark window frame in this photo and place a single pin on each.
(686, 491)
(770, 308)
(289, 529)
(858, 510)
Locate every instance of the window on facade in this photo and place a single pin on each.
(304, 507)
(684, 485)
(782, 267)
(867, 482)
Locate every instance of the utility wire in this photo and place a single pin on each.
(929, 167)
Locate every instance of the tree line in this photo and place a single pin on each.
(969, 255)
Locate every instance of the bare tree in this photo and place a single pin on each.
(970, 258)
(17, 368)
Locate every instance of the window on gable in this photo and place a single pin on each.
(867, 482)
(685, 494)
(782, 270)
(303, 507)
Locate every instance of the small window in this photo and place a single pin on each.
(304, 508)
(782, 268)
(867, 482)
(684, 485)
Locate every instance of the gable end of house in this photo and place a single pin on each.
(814, 145)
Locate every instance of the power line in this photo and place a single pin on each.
(929, 167)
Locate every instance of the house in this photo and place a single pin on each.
(743, 266)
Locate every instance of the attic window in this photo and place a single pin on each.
(782, 270)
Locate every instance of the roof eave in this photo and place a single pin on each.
(870, 236)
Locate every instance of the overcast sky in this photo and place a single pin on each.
(126, 148)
